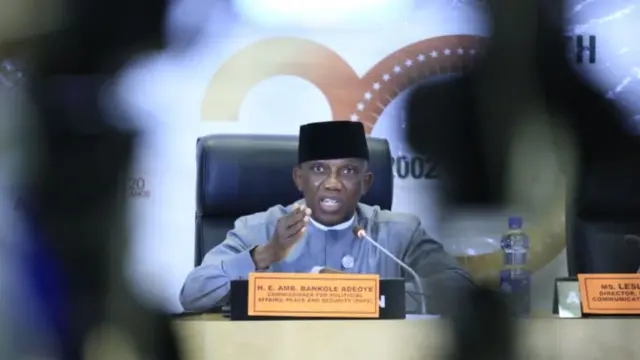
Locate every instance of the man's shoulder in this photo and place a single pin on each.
(389, 218)
(398, 218)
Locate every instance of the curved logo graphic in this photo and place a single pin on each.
(349, 96)
(364, 99)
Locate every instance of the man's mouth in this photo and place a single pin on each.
(329, 204)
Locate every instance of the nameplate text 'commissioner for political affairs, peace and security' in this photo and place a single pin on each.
(314, 295)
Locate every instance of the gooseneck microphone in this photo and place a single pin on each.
(361, 234)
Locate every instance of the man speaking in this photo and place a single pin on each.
(315, 233)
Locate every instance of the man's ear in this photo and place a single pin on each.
(367, 181)
(297, 177)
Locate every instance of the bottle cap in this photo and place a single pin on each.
(515, 222)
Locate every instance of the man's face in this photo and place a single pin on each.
(332, 188)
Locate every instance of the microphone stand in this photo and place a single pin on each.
(360, 233)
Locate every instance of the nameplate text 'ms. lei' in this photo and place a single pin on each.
(611, 294)
(314, 295)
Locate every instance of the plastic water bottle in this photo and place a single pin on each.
(515, 280)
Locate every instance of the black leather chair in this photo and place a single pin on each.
(243, 174)
(603, 233)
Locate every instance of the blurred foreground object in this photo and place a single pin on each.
(77, 207)
(482, 328)
(520, 132)
(489, 129)
(525, 133)
(24, 19)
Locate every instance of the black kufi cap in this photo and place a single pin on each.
(332, 140)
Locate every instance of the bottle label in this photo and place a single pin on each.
(515, 258)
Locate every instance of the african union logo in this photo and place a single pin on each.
(373, 100)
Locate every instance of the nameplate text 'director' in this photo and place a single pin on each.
(314, 295)
(612, 294)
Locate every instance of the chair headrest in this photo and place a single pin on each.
(245, 174)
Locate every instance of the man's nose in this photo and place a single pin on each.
(332, 182)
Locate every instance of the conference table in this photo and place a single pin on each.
(213, 337)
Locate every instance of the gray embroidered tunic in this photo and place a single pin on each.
(401, 234)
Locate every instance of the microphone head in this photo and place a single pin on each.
(359, 232)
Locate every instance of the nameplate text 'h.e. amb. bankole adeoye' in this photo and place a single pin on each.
(314, 295)
(610, 294)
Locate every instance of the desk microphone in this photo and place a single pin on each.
(361, 234)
